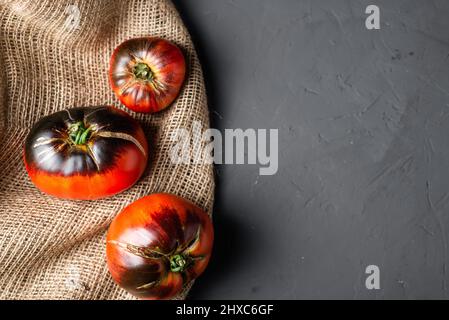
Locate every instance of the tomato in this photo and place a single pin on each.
(86, 153)
(158, 244)
(146, 74)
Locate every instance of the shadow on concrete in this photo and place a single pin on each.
(231, 237)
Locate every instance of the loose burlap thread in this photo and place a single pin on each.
(52, 59)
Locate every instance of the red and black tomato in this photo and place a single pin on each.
(158, 244)
(147, 74)
(86, 153)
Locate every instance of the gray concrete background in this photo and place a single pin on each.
(363, 119)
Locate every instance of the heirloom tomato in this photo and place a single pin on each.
(86, 153)
(146, 74)
(158, 244)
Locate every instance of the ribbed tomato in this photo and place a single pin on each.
(146, 74)
(158, 244)
(86, 153)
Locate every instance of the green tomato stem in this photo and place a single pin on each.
(79, 134)
(142, 71)
(178, 263)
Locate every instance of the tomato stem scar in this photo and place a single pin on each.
(178, 263)
(79, 134)
(142, 71)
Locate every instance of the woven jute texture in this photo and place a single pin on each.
(51, 59)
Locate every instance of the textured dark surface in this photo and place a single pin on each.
(363, 119)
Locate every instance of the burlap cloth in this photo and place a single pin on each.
(55, 249)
